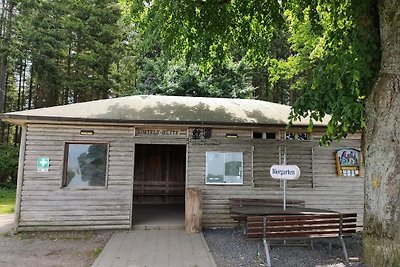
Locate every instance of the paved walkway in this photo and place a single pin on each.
(155, 248)
(6, 223)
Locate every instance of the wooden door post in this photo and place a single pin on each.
(193, 210)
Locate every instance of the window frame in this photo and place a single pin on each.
(224, 183)
(65, 165)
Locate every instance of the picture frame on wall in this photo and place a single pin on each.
(348, 162)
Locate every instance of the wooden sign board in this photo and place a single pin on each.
(161, 132)
(348, 162)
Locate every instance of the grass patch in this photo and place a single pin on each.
(97, 252)
(7, 200)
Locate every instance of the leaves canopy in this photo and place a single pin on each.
(334, 47)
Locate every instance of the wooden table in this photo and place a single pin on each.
(272, 210)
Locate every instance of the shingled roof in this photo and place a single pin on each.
(162, 109)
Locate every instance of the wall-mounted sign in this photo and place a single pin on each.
(197, 142)
(348, 162)
(285, 172)
(201, 133)
(160, 132)
(43, 164)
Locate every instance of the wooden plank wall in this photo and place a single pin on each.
(327, 190)
(47, 206)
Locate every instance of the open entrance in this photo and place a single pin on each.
(159, 185)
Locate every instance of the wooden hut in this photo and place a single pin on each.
(86, 165)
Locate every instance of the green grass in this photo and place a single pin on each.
(7, 200)
(97, 252)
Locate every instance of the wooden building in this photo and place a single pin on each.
(86, 165)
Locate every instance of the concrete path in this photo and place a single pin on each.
(155, 248)
(6, 223)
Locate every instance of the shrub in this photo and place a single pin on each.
(8, 164)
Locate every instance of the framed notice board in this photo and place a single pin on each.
(348, 162)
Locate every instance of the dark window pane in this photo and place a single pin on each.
(86, 165)
(257, 135)
(270, 135)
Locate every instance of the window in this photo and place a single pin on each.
(270, 135)
(264, 135)
(257, 135)
(85, 164)
(224, 168)
(297, 136)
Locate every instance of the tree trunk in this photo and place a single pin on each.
(7, 13)
(382, 148)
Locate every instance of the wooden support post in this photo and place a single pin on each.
(193, 210)
(20, 177)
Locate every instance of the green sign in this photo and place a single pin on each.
(43, 164)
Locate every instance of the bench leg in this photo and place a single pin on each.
(266, 248)
(346, 257)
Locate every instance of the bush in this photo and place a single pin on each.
(8, 164)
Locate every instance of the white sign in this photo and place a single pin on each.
(285, 172)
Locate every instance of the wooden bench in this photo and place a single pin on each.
(158, 188)
(301, 227)
(251, 202)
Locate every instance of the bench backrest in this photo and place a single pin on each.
(301, 226)
(146, 187)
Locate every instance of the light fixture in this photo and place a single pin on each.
(87, 132)
(231, 135)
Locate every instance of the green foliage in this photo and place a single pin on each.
(336, 58)
(70, 47)
(159, 76)
(330, 64)
(205, 31)
(8, 164)
(7, 200)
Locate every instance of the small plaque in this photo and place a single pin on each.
(43, 164)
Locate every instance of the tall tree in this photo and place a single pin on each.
(6, 23)
(333, 66)
(71, 46)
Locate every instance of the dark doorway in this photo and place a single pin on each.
(160, 172)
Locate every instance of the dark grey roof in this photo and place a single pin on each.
(163, 109)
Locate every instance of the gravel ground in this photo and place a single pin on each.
(230, 247)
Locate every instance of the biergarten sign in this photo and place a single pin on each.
(285, 172)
